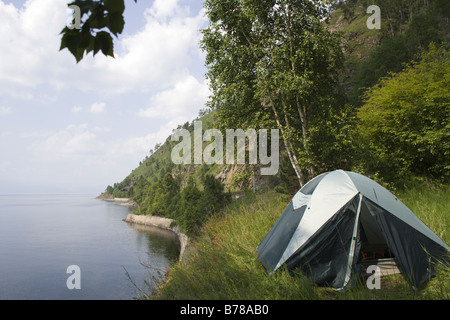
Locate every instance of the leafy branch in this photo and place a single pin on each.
(99, 20)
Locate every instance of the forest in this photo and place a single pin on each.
(343, 96)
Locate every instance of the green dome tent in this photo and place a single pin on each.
(339, 218)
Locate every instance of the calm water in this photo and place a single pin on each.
(42, 235)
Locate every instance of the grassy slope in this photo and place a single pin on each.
(223, 263)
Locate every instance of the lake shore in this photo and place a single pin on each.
(122, 201)
(163, 223)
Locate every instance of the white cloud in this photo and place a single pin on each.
(164, 8)
(97, 107)
(76, 109)
(185, 99)
(72, 142)
(155, 57)
(153, 69)
(102, 129)
(4, 111)
(29, 44)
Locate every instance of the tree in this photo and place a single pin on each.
(405, 119)
(213, 197)
(272, 61)
(190, 213)
(407, 25)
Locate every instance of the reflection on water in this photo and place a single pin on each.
(161, 241)
(41, 235)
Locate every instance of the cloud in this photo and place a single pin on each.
(72, 142)
(98, 107)
(140, 145)
(4, 111)
(29, 44)
(164, 8)
(158, 68)
(158, 55)
(76, 109)
(185, 99)
(155, 57)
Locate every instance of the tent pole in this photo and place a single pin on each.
(353, 244)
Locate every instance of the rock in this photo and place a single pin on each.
(164, 223)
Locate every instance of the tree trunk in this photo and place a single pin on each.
(288, 146)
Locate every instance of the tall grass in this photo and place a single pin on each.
(223, 264)
(431, 203)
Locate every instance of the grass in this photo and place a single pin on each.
(222, 262)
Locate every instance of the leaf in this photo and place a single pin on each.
(101, 15)
(79, 54)
(85, 38)
(103, 40)
(90, 47)
(116, 23)
(84, 5)
(97, 45)
(71, 41)
(114, 6)
(97, 19)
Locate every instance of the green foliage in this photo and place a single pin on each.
(332, 141)
(288, 183)
(406, 27)
(92, 37)
(189, 205)
(405, 120)
(190, 213)
(271, 64)
(223, 264)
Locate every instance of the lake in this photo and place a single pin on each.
(42, 235)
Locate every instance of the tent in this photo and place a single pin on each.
(340, 220)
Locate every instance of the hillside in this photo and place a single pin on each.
(369, 55)
(223, 264)
(235, 178)
(406, 27)
(206, 200)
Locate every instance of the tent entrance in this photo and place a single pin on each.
(374, 249)
(387, 266)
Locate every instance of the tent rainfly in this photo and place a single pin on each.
(340, 219)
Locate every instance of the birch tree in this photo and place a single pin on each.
(272, 60)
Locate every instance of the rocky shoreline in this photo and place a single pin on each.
(163, 223)
(123, 201)
(147, 220)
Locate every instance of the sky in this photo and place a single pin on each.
(77, 128)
